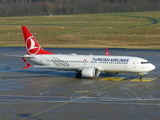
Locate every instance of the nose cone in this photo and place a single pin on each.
(151, 67)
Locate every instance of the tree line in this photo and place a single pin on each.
(57, 7)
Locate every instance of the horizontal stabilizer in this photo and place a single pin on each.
(15, 55)
(24, 56)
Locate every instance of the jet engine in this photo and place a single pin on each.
(90, 72)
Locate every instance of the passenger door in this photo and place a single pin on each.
(134, 64)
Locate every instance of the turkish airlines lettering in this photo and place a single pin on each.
(85, 65)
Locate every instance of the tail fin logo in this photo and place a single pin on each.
(32, 46)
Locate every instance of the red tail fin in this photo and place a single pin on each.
(32, 45)
(107, 52)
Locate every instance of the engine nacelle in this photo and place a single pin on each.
(90, 72)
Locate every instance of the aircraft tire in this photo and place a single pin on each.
(78, 75)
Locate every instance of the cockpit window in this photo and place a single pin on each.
(144, 62)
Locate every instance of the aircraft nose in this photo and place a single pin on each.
(152, 67)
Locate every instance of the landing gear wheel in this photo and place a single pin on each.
(78, 75)
(140, 77)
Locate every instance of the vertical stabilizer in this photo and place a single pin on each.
(32, 45)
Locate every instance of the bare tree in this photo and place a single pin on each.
(39, 7)
(49, 7)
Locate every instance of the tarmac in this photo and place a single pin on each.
(44, 94)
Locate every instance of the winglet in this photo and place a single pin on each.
(27, 64)
(107, 52)
(32, 45)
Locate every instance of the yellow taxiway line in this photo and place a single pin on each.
(119, 79)
(145, 79)
(90, 93)
(112, 79)
(85, 91)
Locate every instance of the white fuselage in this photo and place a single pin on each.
(84, 65)
(75, 62)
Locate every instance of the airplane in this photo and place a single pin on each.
(85, 65)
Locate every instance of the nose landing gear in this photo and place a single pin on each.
(141, 75)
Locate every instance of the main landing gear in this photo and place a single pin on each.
(78, 75)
